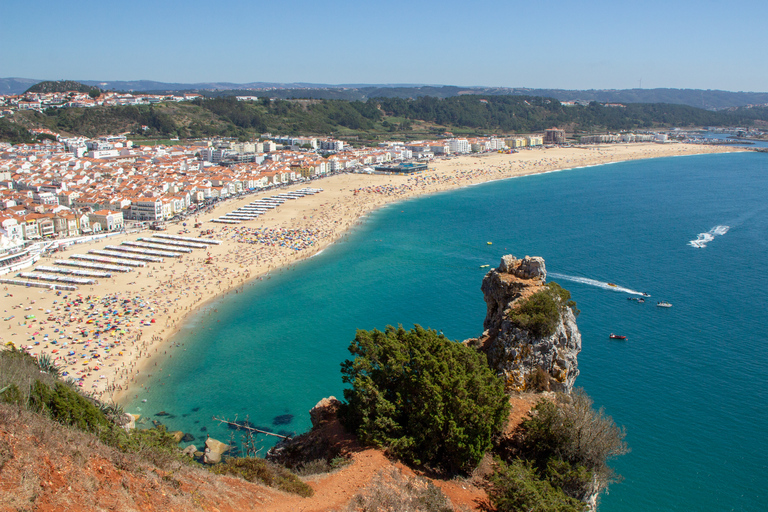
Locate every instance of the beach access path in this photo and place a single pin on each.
(136, 313)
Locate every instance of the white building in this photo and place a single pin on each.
(459, 146)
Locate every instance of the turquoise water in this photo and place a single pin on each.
(690, 384)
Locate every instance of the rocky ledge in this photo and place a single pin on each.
(527, 361)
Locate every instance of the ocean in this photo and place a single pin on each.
(690, 383)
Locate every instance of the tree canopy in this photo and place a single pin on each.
(427, 399)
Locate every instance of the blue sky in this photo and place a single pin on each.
(556, 44)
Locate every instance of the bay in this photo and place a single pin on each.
(689, 384)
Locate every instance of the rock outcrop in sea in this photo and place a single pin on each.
(525, 360)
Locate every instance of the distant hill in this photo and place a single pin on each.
(16, 85)
(700, 98)
(61, 86)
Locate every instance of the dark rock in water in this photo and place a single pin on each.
(283, 419)
(156, 423)
(187, 438)
(203, 429)
(185, 415)
(197, 421)
(162, 413)
(195, 409)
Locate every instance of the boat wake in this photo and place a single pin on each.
(594, 282)
(704, 238)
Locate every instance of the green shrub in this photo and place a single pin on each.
(64, 405)
(427, 399)
(516, 486)
(267, 473)
(540, 313)
(569, 443)
(11, 394)
(21, 370)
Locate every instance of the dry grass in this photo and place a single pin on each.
(391, 491)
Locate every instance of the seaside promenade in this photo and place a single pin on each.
(112, 334)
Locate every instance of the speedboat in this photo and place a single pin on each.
(613, 285)
(617, 337)
(663, 304)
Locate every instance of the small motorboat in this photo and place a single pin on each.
(617, 337)
(484, 266)
(663, 304)
(613, 285)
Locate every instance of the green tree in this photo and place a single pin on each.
(427, 399)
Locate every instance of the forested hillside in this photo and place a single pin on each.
(377, 118)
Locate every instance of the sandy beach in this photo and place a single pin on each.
(113, 333)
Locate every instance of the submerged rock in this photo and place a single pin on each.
(283, 419)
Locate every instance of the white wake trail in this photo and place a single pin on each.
(704, 238)
(594, 282)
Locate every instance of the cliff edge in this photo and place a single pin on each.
(530, 333)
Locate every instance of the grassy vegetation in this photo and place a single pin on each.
(267, 473)
(393, 491)
(540, 313)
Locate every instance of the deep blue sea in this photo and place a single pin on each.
(690, 384)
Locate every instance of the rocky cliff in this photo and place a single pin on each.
(529, 357)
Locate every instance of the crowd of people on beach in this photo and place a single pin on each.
(295, 239)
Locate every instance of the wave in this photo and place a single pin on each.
(704, 238)
(594, 282)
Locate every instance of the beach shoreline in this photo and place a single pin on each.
(150, 304)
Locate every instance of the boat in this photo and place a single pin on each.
(612, 284)
(489, 243)
(663, 304)
(617, 337)
(484, 266)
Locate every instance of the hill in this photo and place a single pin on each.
(425, 117)
(16, 85)
(62, 86)
(701, 98)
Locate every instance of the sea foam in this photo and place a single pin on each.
(594, 282)
(704, 238)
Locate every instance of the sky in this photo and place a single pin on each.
(557, 44)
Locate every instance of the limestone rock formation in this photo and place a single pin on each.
(214, 450)
(525, 360)
(325, 410)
